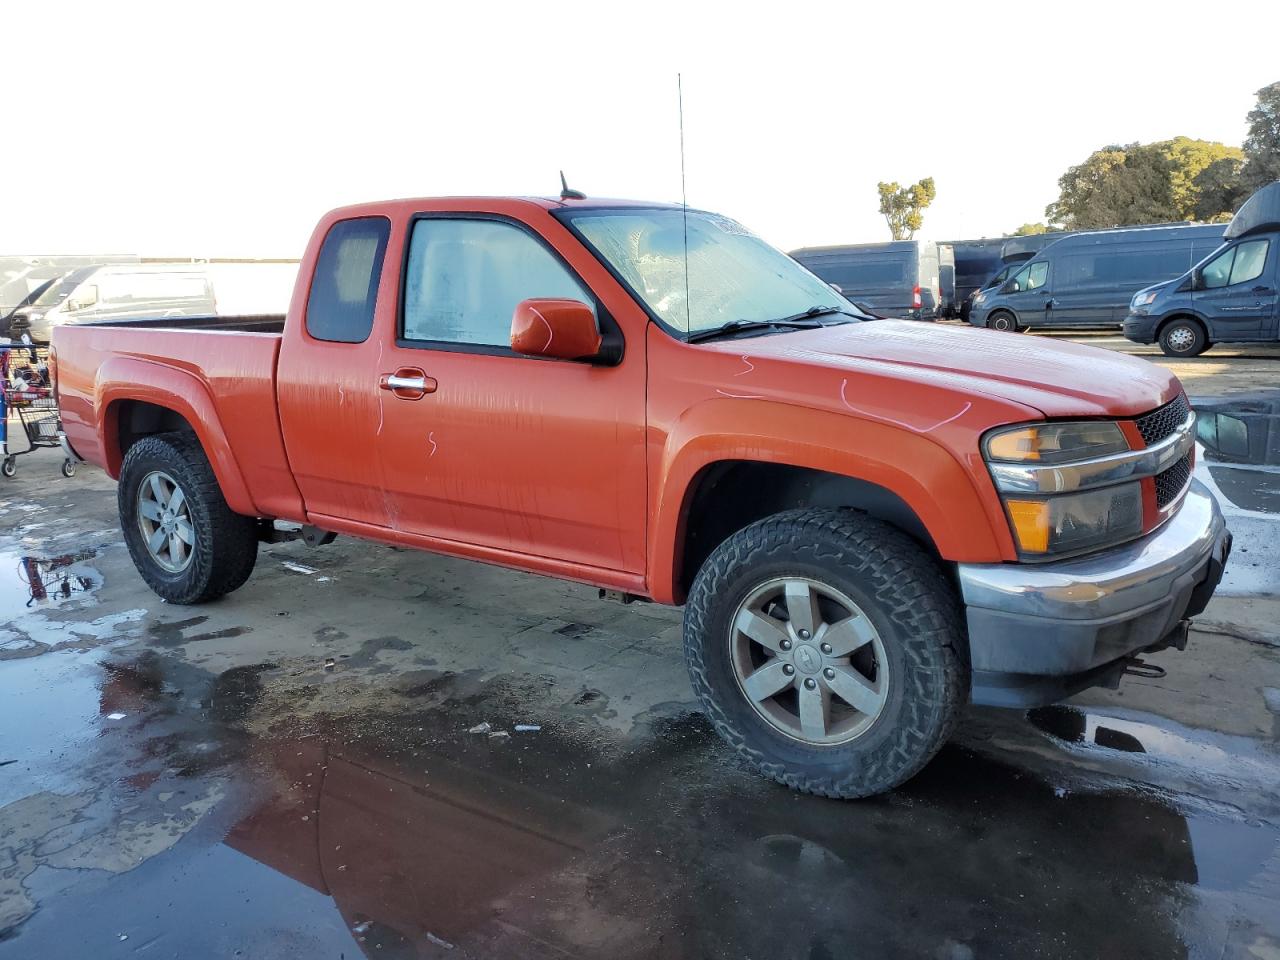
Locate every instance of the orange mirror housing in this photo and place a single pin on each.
(562, 329)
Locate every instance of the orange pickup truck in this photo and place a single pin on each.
(870, 522)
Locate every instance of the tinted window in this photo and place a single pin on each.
(345, 286)
(1251, 257)
(1128, 266)
(1030, 277)
(869, 273)
(466, 277)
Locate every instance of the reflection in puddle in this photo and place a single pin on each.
(389, 831)
(1240, 444)
(28, 581)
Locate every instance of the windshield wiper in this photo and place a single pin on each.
(799, 321)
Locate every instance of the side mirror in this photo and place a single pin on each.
(557, 329)
(85, 297)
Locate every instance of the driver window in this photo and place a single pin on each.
(1037, 274)
(1217, 272)
(1019, 281)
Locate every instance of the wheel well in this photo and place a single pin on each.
(136, 419)
(730, 495)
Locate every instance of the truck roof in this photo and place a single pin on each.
(428, 204)
(1260, 212)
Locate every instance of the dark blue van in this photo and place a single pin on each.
(1087, 279)
(901, 278)
(1229, 297)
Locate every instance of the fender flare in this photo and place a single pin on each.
(130, 378)
(908, 464)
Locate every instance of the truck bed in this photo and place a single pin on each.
(250, 323)
(220, 371)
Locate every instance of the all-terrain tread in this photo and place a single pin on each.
(916, 594)
(227, 542)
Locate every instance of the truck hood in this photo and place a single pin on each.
(1056, 377)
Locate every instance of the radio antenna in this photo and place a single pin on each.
(684, 205)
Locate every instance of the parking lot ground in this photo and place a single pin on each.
(330, 763)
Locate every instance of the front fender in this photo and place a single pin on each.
(129, 378)
(959, 517)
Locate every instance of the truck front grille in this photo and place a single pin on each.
(1170, 482)
(1162, 421)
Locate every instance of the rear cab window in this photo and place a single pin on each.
(344, 288)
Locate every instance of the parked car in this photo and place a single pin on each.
(1232, 296)
(896, 279)
(1087, 279)
(20, 275)
(869, 524)
(115, 291)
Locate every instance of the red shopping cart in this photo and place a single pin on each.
(26, 392)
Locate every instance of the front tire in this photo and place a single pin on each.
(1003, 320)
(826, 649)
(1183, 338)
(186, 542)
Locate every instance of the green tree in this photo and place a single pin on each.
(1221, 190)
(903, 207)
(1032, 230)
(1262, 144)
(1121, 185)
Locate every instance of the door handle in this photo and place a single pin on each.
(408, 383)
(1263, 290)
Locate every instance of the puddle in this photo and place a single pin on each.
(1238, 459)
(32, 582)
(389, 831)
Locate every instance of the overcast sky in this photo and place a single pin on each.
(226, 129)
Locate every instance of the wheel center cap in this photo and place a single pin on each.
(807, 659)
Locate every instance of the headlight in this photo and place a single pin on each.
(1052, 512)
(1056, 442)
(979, 296)
(1075, 522)
(1143, 299)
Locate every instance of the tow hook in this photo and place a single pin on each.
(1137, 667)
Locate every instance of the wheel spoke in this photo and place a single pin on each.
(158, 493)
(856, 690)
(802, 606)
(150, 509)
(175, 501)
(848, 635)
(764, 630)
(183, 529)
(156, 541)
(177, 551)
(768, 680)
(813, 711)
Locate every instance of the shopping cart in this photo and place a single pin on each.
(25, 390)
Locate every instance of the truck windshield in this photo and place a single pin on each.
(733, 275)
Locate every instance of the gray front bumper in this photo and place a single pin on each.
(1039, 632)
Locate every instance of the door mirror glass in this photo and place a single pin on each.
(558, 329)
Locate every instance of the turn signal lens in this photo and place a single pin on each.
(1072, 523)
(1030, 520)
(1057, 442)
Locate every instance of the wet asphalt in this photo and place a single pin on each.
(332, 763)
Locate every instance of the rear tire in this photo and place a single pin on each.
(1183, 337)
(222, 546)
(909, 651)
(1003, 320)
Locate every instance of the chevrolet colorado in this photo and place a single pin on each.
(870, 522)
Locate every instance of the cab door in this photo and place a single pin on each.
(482, 446)
(1027, 293)
(1236, 291)
(326, 376)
